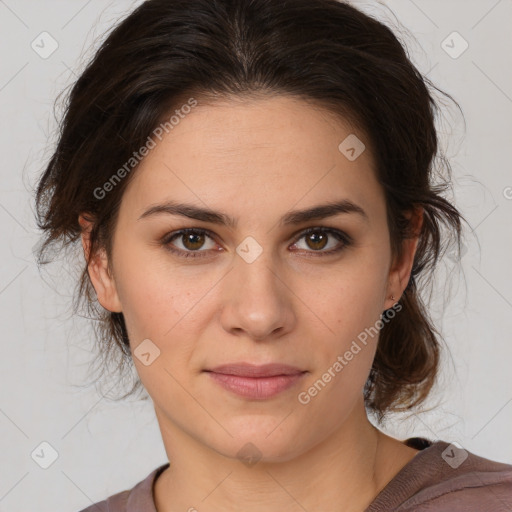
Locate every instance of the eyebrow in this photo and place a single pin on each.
(291, 218)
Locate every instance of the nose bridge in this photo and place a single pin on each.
(255, 268)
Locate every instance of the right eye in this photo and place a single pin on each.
(191, 240)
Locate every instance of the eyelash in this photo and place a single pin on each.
(339, 235)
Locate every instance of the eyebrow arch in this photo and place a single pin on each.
(291, 218)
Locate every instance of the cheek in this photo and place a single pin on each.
(344, 357)
(168, 305)
(350, 298)
(152, 298)
(349, 302)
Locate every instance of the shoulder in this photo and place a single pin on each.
(137, 499)
(115, 503)
(461, 480)
(446, 477)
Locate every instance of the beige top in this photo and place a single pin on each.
(440, 478)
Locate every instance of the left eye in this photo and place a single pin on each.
(317, 239)
(192, 240)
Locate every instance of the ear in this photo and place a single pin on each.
(400, 271)
(98, 270)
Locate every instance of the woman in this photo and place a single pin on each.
(253, 186)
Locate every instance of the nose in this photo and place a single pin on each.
(257, 301)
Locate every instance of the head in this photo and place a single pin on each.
(301, 162)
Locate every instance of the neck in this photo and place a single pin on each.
(348, 467)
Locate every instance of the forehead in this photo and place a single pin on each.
(262, 152)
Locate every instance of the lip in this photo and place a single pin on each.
(254, 370)
(257, 382)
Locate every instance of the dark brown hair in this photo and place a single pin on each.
(322, 51)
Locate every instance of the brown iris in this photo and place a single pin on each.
(193, 241)
(317, 238)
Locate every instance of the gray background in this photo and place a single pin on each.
(104, 447)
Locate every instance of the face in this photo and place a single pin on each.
(253, 282)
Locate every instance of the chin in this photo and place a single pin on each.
(258, 440)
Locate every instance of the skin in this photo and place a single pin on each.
(256, 161)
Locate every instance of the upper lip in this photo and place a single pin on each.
(252, 370)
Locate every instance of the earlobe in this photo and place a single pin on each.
(99, 272)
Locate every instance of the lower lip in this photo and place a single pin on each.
(256, 387)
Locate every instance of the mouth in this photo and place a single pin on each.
(258, 382)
